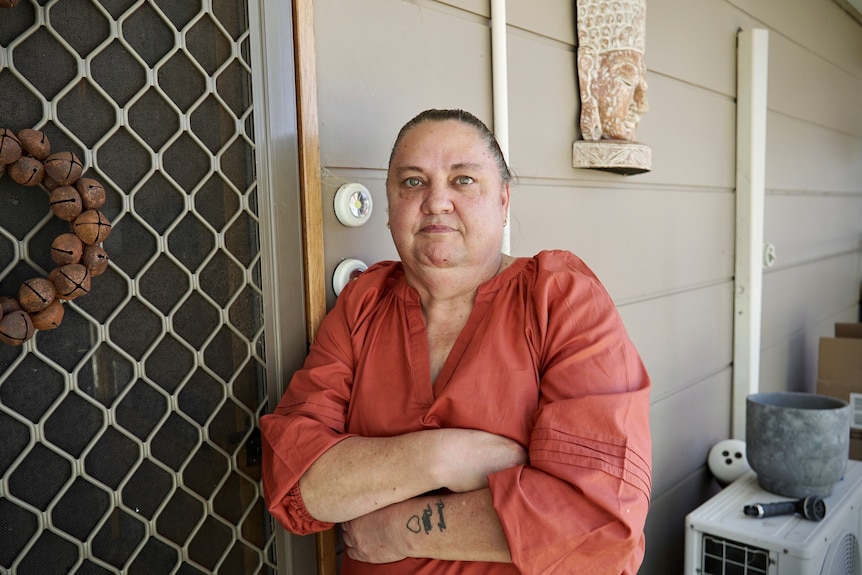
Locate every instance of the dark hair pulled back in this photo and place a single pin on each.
(464, 117)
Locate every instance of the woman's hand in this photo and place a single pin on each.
(470, 456)
(371, 538)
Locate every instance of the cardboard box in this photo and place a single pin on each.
(856, 444)
(839, 374)
(851, 330)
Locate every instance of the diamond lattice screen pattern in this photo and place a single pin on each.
(128, 434)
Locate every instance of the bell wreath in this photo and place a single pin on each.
(26, 158)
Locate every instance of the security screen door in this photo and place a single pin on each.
(128, 438)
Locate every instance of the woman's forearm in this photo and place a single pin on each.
(362, 474)
(453, 527)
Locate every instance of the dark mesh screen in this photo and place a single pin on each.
(128, 434)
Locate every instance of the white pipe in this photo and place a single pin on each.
(500, 88)
(751, 105)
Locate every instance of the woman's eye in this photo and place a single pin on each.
(463, 180)
(412, 182)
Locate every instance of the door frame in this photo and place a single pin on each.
(287, 156)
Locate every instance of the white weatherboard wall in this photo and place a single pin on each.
(663, 242)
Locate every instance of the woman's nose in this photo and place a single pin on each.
(438, 198)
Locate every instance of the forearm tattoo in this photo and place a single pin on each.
(424, 523)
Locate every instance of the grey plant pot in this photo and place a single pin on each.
(797, 443)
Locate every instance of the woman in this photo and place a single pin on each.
(462, 411)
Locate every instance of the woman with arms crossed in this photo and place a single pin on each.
(463, 411)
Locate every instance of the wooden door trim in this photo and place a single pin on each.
(312, 205)
(309, 165)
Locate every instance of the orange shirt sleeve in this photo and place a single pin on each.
(581, 503)
(310, 418)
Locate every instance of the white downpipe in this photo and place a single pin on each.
(500, 87)
(752, 67)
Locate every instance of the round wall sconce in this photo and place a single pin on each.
(345, 272)
(353, 205)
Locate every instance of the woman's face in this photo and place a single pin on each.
(447, 201)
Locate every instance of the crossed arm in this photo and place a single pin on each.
(375, 487)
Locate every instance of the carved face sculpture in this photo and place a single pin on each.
(619, 88)
(611, 67)
(621, 91)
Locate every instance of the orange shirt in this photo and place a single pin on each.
(544, 359)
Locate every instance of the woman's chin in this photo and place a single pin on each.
(438, 256)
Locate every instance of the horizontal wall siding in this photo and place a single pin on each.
(705, 408)
(814, 185)
(665, 530)
(801, 297)
(693, 42)
(692, 133)
(555, 19)
(805, 227)
(791, 363)
(683, 338)
(802, 156)
(662, 242)
(805, 86)
(542, 109)
(380, 62)
(640, 241)
(820, 26)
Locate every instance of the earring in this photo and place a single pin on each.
(388, 226)
(506, 221)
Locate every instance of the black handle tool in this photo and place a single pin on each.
(813, 508)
